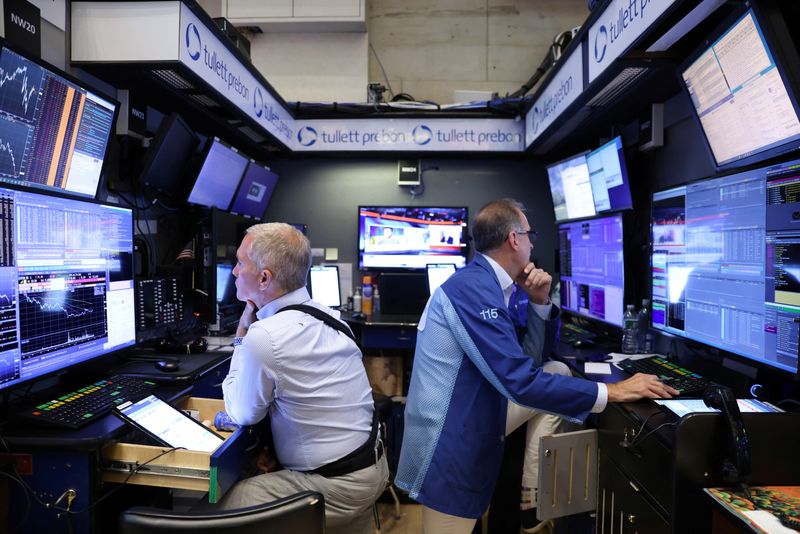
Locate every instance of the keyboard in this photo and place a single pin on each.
(84, 405)
(570, 333)
(684, 380)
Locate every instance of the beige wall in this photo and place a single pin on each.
(432, 48)
(429, 49)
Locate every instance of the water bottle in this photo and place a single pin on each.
(630, 331)
(376, 301)
(643, 325)
(357, 300)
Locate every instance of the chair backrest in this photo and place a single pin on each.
(299, 513)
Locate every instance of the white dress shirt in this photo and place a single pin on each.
(308, 376)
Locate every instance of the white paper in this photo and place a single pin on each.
(596, 368)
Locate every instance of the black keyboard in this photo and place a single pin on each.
(570, 333)
(684, 380)
(82, 406)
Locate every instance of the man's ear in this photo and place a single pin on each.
(265, 279)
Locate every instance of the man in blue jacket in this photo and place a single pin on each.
(468, 365)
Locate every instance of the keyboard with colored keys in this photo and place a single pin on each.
(684, 380)
(82, 406)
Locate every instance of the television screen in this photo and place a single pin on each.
(54, 131)
(66, 283)
(219, 176)
(592, 268)
(394, 237)
(726, 263)
(740, 92)
(255, 191)
(170, 150)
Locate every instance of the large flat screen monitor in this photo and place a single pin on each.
(591, 183)
(170, 151)
(219, 176)
(592, 268)
(54, 130)
(395, 237)
(741, 91)
(726, 263)
(255, 191)
(66, 283)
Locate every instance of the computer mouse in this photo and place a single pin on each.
(168, 366)
(359, 315)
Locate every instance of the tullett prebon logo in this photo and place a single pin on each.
(307, 136)
(193, 44)
(600, 44)
(422, 134)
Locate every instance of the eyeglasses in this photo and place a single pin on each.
(532, 235)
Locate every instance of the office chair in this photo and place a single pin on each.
(302, 512)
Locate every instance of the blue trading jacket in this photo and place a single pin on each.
(467, 364)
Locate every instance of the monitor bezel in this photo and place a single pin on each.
(464, 243)
(786, 57)
(5, 43)
(109, 353)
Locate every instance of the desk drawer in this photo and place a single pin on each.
(389, 337)
(213, 472)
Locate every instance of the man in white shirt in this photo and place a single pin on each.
(309, 377)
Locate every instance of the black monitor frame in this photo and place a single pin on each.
(159, 162)
(211, 142)
(5, 44)
(779, 42)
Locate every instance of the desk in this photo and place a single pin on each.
(657, 484)
(379, 331)
(61, 459)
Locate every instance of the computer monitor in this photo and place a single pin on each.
(437, 274)
(54, 130)
(226, 283)
(592, 272)
(590, 183)
(66, 283)
(255, 191)
(409, 238)
(323, 284)
(608, 175)
(219, 176)
(742, 84)
(571, 188)
(726, 263)
(168, 155)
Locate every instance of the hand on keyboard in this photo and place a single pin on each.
(640, 386)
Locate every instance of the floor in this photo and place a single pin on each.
(410, 521)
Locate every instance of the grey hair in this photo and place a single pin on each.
(282, 249)
(493, 223)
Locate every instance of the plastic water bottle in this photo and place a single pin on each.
(630, 330)
(357, 301)
(643, 325)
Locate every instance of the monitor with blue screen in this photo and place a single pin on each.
(219, 176)
(255, 191)
(54, 130)
(66, 283)
(726, 263)
(592, 268)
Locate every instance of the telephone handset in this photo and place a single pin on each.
(736, 470)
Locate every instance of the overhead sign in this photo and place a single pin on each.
(622, 22)
(417, 135)
(209, 58)
(562, 91)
